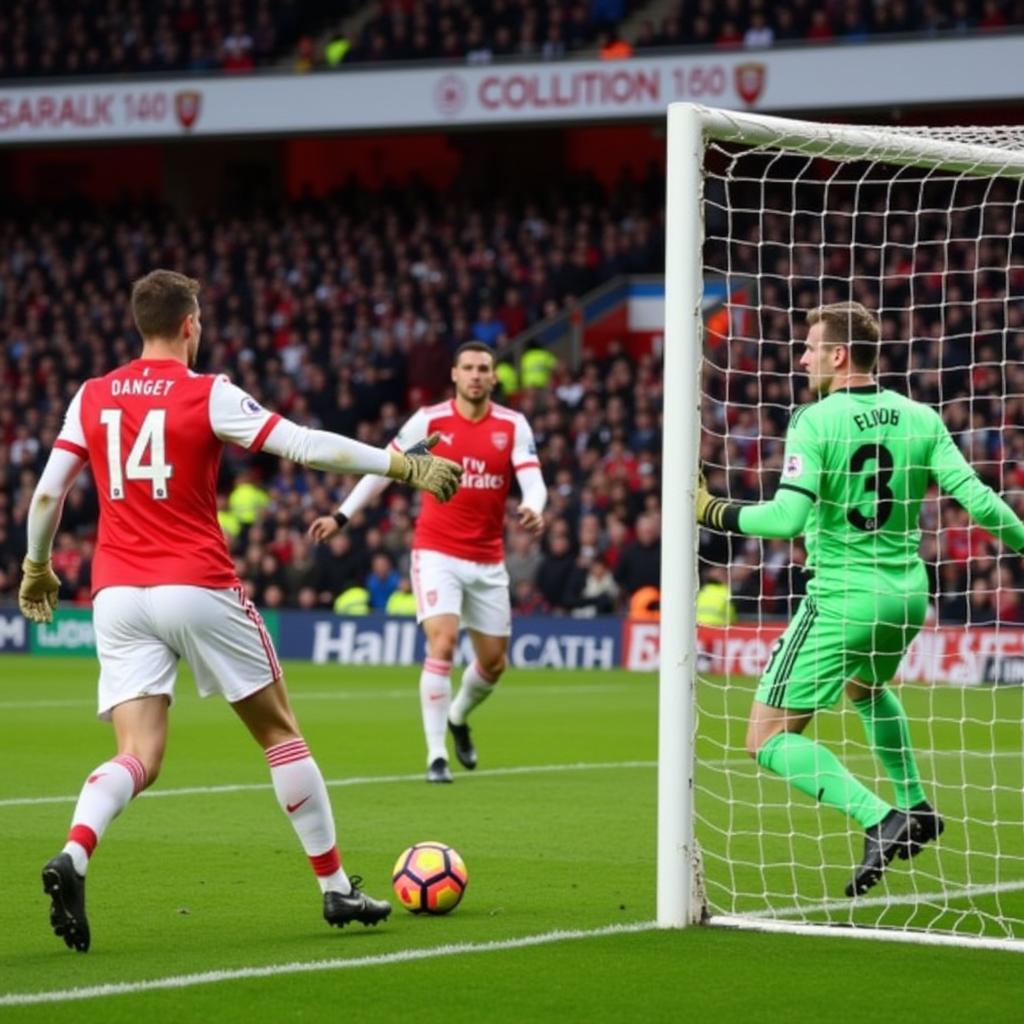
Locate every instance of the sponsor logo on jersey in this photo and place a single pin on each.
(500, 440)
(251, 407)
(447, 438)
(794, 466)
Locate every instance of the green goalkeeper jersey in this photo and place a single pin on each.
(856, 468)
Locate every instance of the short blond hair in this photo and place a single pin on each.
(853, 325)
(161, 300)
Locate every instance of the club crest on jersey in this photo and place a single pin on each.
(251, 407)
(794, 466)
(431, 597)
(500, 440)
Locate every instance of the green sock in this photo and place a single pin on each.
(885, 723)
(816, 771)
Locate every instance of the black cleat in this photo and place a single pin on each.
(341, 910)
(931, 824)
(464, 749)
(439, 771)
(895, 834)
(66, 889)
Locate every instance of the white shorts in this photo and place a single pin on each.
(141, 632)
(477, 592)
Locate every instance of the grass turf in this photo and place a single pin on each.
(214, 880)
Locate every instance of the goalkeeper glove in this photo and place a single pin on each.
(440, 477)
(37, 595)
(711, 511)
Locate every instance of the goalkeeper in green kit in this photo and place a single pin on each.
(857, 465)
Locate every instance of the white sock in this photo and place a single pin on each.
(475, 689)
(105, 794)
(435, 699)
(303, 797)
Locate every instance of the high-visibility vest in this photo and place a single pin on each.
(401, 603)
(714, 605)
(507, 378)
(246, 500)
(536, 367)
(354, 601)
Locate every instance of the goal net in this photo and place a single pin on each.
(767, 219)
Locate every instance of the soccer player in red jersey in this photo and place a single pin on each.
(458, 568)
(164, 586)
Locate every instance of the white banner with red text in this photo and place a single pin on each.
(805, 78)
(958, 655)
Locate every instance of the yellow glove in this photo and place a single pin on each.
(710, 510)
(426, 472)
(37, 595)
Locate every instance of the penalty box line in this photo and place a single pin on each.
(180, 981)
(356, 780)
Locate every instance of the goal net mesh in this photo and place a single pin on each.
(939, 254)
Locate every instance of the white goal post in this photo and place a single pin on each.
(719, 823)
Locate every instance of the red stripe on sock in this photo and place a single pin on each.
(135, 769)
(286, 753)
(326, 863)
(84, 836)
(437, 667)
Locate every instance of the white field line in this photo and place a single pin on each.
(339, 695)
(178, 981)
(364, 780)
(369, 780)
(940, 898)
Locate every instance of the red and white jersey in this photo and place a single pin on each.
(153, 432)
(471, 525)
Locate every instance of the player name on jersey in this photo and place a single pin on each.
(140, 386)
(877, 418)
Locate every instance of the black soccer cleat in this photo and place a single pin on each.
(342, 909)
(894, 834)
(931, 824)
(464, 749)
(439, 771)
(66, 889)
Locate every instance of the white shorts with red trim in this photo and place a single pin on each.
(141, 632)
(477, 592)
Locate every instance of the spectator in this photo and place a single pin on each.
(640, 562)
(382, 581)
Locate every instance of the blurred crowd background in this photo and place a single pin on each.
(342, 313)
(101, 37)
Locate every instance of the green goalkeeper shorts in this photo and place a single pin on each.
(851, 634)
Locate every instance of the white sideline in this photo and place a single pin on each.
(356, 780)
(312, 966)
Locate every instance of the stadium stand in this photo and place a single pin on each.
(312, 312)
(102, 37)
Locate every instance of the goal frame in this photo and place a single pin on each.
(691, 127)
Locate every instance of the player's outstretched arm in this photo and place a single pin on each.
(334, 453)
(37, 593)
(955, 475)
(784, 517)
(368, 490)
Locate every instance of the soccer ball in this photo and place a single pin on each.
(429, 878)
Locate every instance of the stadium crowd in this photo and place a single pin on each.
(58, 38)
(343, 314)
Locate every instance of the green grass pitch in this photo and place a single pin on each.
(557, 829)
